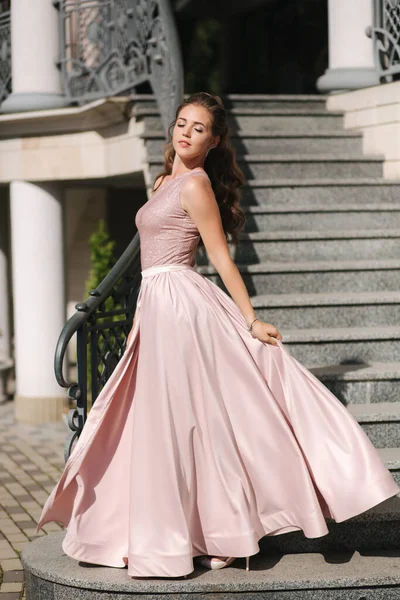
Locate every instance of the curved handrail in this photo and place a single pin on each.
(86, 309)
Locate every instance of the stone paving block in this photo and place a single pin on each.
(18, 517)
(40, 496)
(14, 510)
(9, 502)
(19, 456)
(8, 526)
(26, 480)
(15, 488)
(11, 564)
(12, 576)
(7, 553)
(16, 537)
(19, 546)
(35, 514)
(33, 487)
(29, 503)
(11, 587)
(42, 478)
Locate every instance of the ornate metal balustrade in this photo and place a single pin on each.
(111, 46)
(5, 50)
(101, 331)
(385, 34)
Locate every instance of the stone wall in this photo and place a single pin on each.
(376, 112)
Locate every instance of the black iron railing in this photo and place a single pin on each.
(101, 325)
(109, 47)
(385, 35)
(5, 51)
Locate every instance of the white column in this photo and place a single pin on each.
(35, 43)
(4, 294)
(351, 60)
(39, 301)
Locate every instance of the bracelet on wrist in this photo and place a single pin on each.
(250, 327)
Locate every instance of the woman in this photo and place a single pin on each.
(208, 435)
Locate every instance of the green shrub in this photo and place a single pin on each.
(102, 257)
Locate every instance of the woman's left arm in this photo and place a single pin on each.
(198, 200)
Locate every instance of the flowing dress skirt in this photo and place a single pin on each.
(205, 439)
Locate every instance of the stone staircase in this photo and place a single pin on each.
(320, 257)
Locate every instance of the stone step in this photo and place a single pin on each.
(335, 142)
(375, 529)
(380, 421)
(283, 192)
(374, 382)
(276, 573)
(144, 101)
(254, 120)
(318, 347)
(295, 166)
(298, 101)
(292, 277)
(335, 309)
(272, 101)
(317, 245)
(340, 216)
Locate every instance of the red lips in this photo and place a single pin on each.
(184, 142)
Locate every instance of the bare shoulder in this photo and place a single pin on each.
(197, 185)
(197, 194)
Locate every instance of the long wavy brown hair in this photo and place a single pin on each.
(220, 165)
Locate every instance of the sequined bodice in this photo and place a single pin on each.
(168, 235)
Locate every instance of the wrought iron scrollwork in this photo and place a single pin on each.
(386, 38)
(101, 325)
(112, 46)
(5, 51)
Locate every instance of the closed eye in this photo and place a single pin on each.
(182, 125)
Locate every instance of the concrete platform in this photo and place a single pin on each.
(50, 574)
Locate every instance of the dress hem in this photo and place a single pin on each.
(182, 564)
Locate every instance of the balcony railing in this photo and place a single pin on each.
(5, 52)
(109, 47)
(385, 34)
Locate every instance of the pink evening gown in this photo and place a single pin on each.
(204, 439)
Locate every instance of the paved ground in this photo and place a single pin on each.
(31, 460)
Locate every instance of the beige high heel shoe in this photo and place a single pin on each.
(215, 563)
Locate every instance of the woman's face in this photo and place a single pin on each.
(192, 135)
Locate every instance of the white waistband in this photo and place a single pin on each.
(161, 268)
